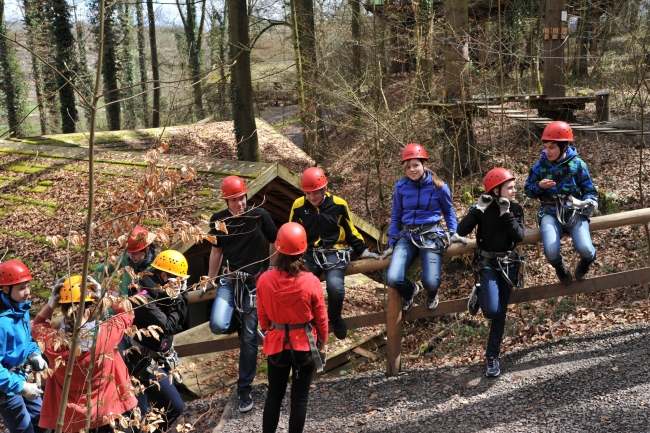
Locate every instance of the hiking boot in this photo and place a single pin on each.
(407, 305)
(493, 369)
(582, 269)
(340, 328)
(472, 303)
(432, 303)
(245, 402)
(563, 273)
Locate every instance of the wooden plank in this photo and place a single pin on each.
(393, 333)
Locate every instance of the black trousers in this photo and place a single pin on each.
(279, 368)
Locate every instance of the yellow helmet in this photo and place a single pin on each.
(172, 262)
(71, 290)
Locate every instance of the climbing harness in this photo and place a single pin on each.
(501, 261)
(331, 258)
(566, 204)
(168, 360)
(320, 358)
(430, 237)
(237, 280)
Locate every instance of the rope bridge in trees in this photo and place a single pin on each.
(393, 316)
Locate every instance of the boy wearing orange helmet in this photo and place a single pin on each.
(500, 227)
(561, 182)
(329, 227)
(236, 262)
(20, 400)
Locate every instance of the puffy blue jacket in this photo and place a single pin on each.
(420, 202)
(16, 343)
(570, 175)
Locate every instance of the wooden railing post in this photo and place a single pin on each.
(393, 332)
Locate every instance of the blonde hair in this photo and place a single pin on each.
(437, 182)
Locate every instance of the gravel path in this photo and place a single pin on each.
(594, 383)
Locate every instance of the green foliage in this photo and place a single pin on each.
(607, 202)
(13, 88)
(467, 198)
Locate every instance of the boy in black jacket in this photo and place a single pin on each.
(500, 224)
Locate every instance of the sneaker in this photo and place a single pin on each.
(407, 305)
(492, 369)
(563, 273)
(245, 402)
(432, 303)
(472, 303)
(582, 269)
(340, 328)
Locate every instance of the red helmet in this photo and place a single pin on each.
(313, 179)
(291, 240)
(13, 272)
(557, 131)
(233, 187)
(414, 150)
(138, 240)
(496, 177)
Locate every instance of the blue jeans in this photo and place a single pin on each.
(552, 232)
(162, 395)
(493, 300)
(404, 254)
(334, 282)
(21, 415)
(225, 319)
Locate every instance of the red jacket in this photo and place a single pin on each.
(110, 379)
(290, 301)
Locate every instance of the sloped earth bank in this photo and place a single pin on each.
(593, 383)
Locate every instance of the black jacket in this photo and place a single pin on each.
(495, 233)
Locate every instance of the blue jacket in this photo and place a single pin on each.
(16, 343)
(570, 175)
(417, 203)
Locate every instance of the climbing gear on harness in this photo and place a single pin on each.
(291, 239)
(414, 151)
(23, 369)
(501, 261)
(138, 240)
(168, 360)
(564, 203)
(496, 177)
(233, 187)
(582, 268)
(172, 262)
(320, 358)
(563, 273)
(322, 257)
(313, 179)
(557, 131)
(430, 237)
(237, 280)
(472, 302)
(13, 272)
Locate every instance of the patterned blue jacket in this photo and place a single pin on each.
(570, 175)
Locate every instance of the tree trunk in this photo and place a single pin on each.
(65, 63)
(240, 86)
(302, 16)
(459, 150)
(581, 66)
(193, 39)
(218, 41)
(154, 65)
(127, 67)
(84, 82)
(109, 70)
(13, 83)
(33, 21)
(355, 28)
(142, 61)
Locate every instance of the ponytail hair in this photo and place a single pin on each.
(437, 182)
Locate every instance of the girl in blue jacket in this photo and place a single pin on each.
(420, 201)
(20, 401)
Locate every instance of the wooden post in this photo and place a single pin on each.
(459, 154)
(554, 46)
(393, 332)
(602, 106)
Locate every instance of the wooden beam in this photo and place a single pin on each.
(393, 333)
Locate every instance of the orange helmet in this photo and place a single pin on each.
(233, 187)
(13, 272)
(414, 151)
(291, 240)
(313, 179)
(138, 240)
(496, 177)
(557, 131)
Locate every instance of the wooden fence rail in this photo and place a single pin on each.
(393, 317)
